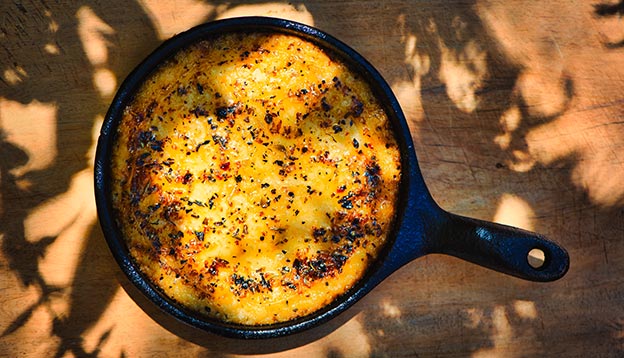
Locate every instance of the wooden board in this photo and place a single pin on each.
(517, 113)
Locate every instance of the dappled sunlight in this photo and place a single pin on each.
(599, 169)
(288, 11)
(352, 339)
(137, 333)
(28, 297)
(568, 104)
(195, 12)
(531, 102)
(507, 336)
(525, 309)
(14, 76)
(93, 34)
(64, 222)
(514, 211)
(509, 121)
(53, 25)
(404, 92)
(463, 73)
(59, 79)
(473, 317)
(516, 112)
(611, 28)
(105, 82)
(521, 161)
(419, 62)
(52, 49)
(602, 178)
(354, 332)
(462, 69)
(543, 91)
(390, 310)
(69, 217)
(407, 90)
(34, 133)
(541, 82)
(171, 18)
(501, 335)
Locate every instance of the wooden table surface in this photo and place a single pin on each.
(517, 113)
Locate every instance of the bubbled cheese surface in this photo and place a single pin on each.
(255, 178)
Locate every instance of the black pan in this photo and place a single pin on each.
(421, 226)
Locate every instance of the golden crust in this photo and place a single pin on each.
(254, 178)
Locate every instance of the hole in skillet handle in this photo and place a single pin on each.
(536, 258)
(503, 248)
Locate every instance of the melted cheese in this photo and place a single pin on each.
(255, 178)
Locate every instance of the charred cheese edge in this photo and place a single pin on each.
(254, 177)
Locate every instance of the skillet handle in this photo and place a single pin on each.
(501, 248)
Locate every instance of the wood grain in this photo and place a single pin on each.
(517, 112)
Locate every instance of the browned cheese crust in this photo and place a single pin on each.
(254, 178)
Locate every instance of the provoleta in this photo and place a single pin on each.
(254, 177)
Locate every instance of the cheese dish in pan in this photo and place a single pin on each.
(254, 177)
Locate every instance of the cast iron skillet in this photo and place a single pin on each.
(421, 226)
